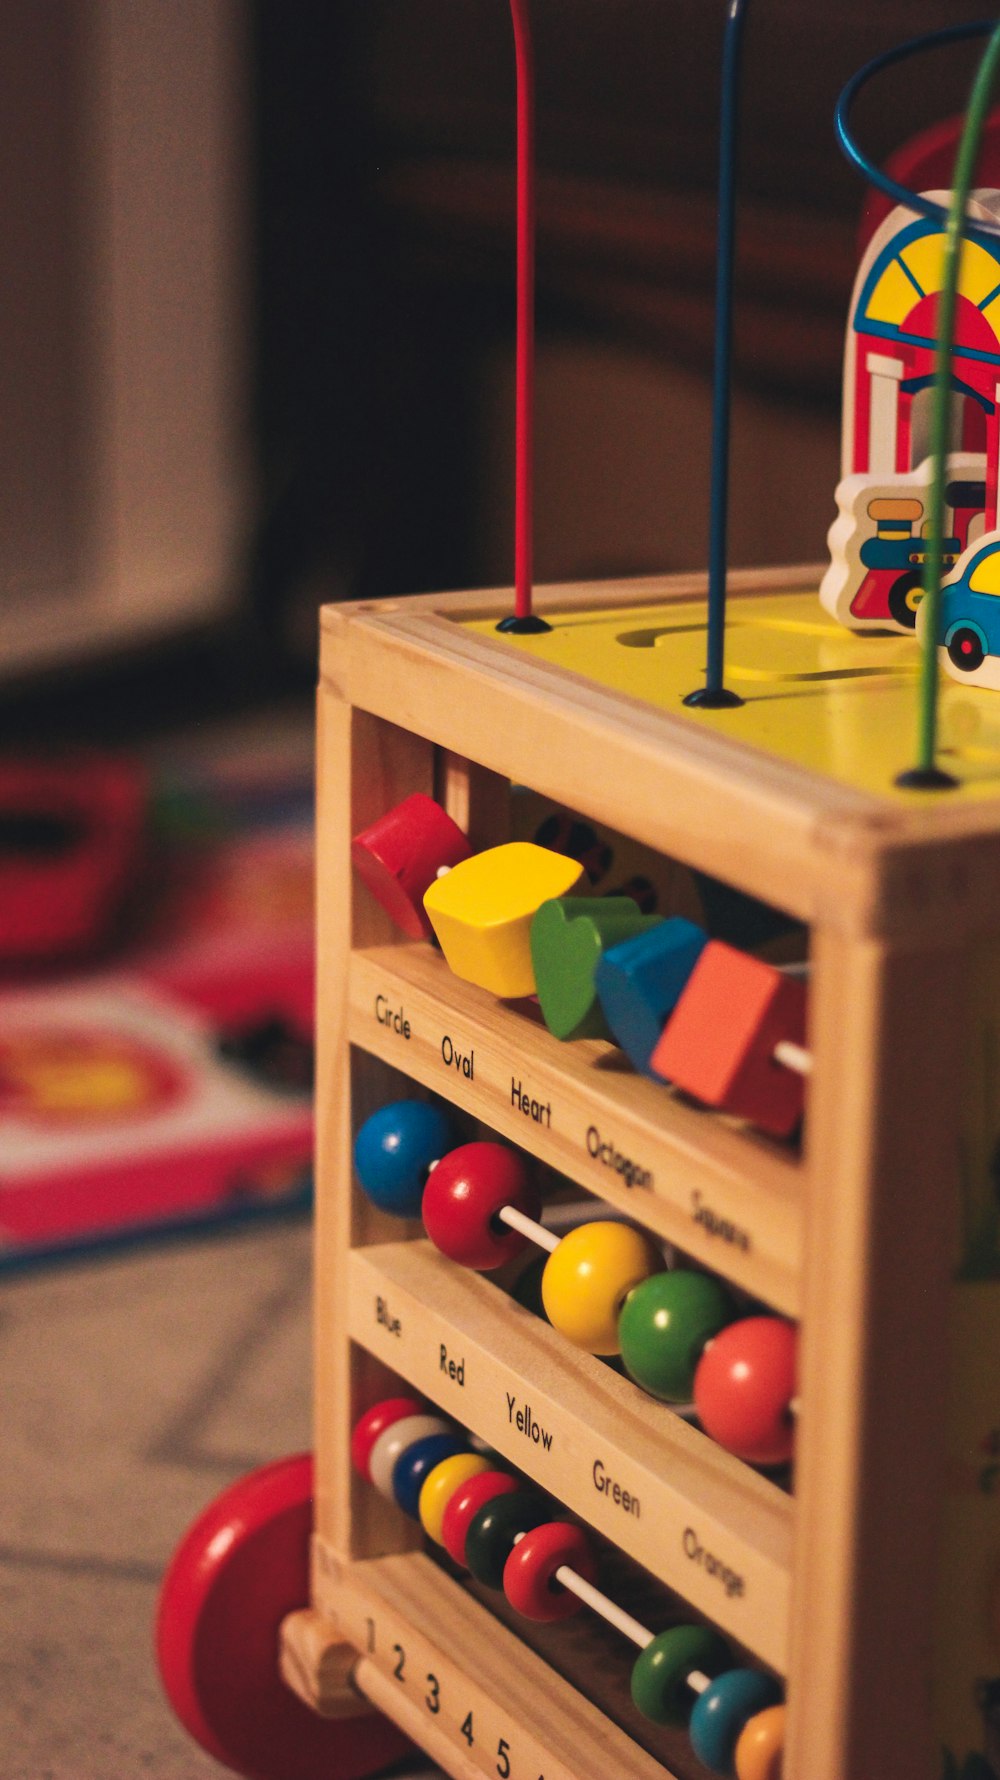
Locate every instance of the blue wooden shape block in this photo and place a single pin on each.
(640, 982)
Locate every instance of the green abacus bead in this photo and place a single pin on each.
(664, 1326)
(492, 1532)
(660, 1688)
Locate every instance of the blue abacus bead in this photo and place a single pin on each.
(393, 1152)
(640, 982)
(415, 1464)
(721, 1712)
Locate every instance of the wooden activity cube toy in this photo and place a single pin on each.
(869, 1580)
(720, 960)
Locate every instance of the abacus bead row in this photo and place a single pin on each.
(502, 1533)
(604, 1286)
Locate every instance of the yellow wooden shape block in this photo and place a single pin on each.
(482, 911)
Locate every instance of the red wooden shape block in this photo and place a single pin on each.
(719, 1042)
(400, 855)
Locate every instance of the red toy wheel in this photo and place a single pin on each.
(238, 1570)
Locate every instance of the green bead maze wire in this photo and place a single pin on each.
(926, 774)
(926, 769)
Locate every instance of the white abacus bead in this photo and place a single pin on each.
(391, 1445)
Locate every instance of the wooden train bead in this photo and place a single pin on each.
(721, 1713)
(465, 1504)
(640, 981)
(374, 1422)
(482, 911)
(744, 1389)
(441, 1484)
(735, 1039)
(463, 1200)
(492, 1532)
(395, 1150)
(569, 937)
(530, 1576)
(665, 1325)
(400, 855)
(391, 1444)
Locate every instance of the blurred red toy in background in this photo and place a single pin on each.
(72, 839)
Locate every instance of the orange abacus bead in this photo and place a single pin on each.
(759, 1753)
(743, 1389)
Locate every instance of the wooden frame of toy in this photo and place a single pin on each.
(699, 998)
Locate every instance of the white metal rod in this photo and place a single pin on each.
(518, 1220)
(793, 1056)
(616, 1616)
(609, 1610)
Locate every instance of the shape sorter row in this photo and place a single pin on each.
(414, 701)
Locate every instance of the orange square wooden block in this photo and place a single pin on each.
(719, 1042)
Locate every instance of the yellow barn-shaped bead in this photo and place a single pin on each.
(482, 910)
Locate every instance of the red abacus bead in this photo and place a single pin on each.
(529, 1577)
(743, 1389)
(462, 1197)
(400, 855)
(465, 1505)
(373, 1423)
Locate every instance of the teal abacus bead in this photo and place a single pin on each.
(722, 1712)
(660, 1687)
(664, 1326)
(492, 1533)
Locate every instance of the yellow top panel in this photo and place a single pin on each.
(840, 702)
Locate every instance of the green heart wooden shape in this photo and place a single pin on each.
(569, 936)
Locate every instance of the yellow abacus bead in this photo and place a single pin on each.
(589, 1276)
(761, 1746)
(440, 1485)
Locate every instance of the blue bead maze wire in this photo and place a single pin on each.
(869, 169)
(714, 693)
(926, 774)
